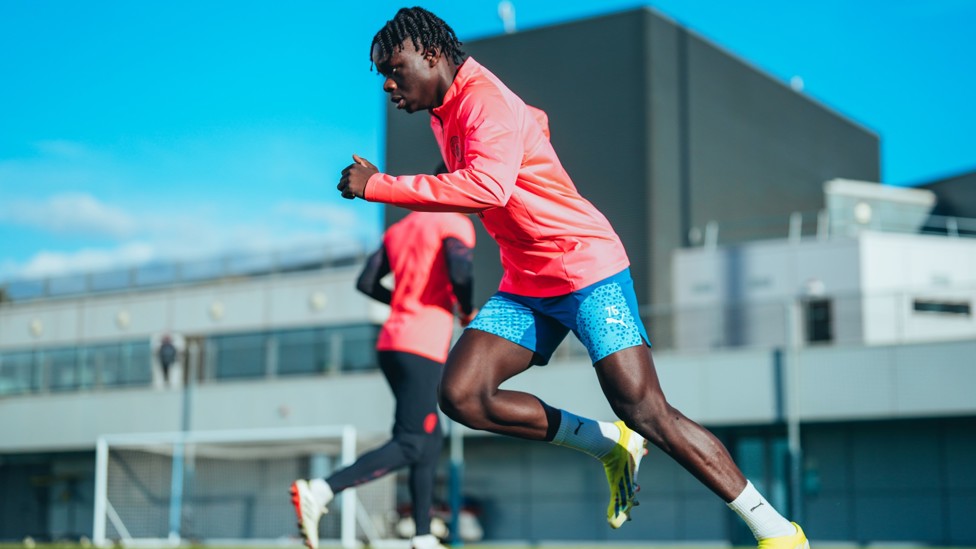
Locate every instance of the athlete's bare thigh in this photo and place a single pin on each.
(480, 362)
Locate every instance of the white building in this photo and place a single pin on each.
(873, 280)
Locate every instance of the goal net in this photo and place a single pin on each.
(230, 488)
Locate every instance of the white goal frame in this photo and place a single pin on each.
(103, 510)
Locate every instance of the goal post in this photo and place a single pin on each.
(227, 487)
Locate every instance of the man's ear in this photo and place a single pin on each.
(431, 55)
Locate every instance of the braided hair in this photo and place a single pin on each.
(423, 28)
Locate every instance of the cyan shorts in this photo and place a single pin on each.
(604, 316)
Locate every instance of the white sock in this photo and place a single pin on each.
(321, 491)
(764, 521)
(595, 438)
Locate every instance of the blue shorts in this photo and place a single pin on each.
(604, 316)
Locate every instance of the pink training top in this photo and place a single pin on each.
(502, 166)
(421, 318)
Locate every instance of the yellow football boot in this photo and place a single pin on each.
(796, 541)
(621, 466)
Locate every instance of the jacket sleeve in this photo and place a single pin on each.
(493, 153)
(377, 266)
(542, 118)
(460, 271)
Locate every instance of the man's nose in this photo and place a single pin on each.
(389, 85)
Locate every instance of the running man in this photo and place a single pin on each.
(430, 256)
(565, 270)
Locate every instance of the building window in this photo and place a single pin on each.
(64, 371)
(17, 373)
(120, 365)
(358, 346)
(331, 349)
(295, 352)
(940, 307)
(819, 321)
(302, 352)
(241, 356)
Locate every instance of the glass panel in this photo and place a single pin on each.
(750, 456)
(25, 289)
(302, 352)
(819, 321)
(241, 356)
(110, 280)
(15, 373)
(65, 285)
(962, 308)
(104, 359)
(779, 494)
(202, 269)
(300, 259)
(250, 264)
(62, 369)
(358, 347)
(121, 365)
(155, 273)
(765, 460)
(87, 370)
(136, 364)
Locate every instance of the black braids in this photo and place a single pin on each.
(424, 29)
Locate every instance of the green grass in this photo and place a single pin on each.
(502, 545)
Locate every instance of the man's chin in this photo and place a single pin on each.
(411, 108)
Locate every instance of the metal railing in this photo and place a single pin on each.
(837, 319)
(820, 225)
(179, 272)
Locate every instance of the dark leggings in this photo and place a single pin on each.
(417, 437)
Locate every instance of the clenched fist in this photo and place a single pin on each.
(354, 178)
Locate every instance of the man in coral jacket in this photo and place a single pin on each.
(564, 270)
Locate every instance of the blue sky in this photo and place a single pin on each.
(136, 131)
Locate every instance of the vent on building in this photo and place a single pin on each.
(937, 306)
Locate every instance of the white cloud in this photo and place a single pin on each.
(255, 242)
(190, 198)
(206, 232)
(69, 213)
(47, 263)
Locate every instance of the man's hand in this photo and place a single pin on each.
(354, 178)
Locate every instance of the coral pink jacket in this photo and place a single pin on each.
(421, 318)
(503, 167)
